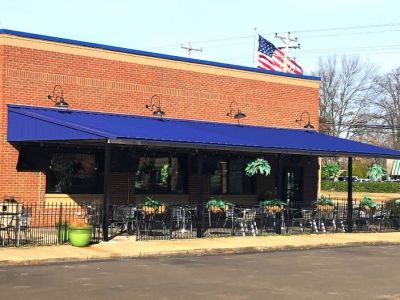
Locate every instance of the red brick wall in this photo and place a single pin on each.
(28, 75)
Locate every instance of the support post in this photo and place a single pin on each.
(350, 194)
(106, 192)
(280, 195)
(200, 208)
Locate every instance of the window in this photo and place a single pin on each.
(161, 175)
(230, 178)
(74, 173)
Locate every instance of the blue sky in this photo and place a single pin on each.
(223, 29)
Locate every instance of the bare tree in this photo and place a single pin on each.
(387, 102)
(345, 95)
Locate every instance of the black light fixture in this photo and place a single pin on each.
(58, 98)
(155, 107)
(238, 115)
(308, 124)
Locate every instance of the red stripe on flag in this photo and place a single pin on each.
(265, 61)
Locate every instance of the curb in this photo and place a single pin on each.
(195, 252)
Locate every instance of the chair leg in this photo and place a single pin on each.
(242, 229)
(323, 227)
(315, 225)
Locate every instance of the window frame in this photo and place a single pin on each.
(184, 174)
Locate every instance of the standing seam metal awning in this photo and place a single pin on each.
(27, 123)
(395, 168)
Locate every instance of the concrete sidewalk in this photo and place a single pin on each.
(128, 247)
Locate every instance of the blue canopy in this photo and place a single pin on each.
(26, 123)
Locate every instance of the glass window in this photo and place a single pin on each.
(73, 173)
(160, 174)
(230, 178)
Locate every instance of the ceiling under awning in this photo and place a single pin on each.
(39, 124)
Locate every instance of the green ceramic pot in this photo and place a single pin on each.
(80, 236)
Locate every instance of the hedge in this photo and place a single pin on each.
(363, 187)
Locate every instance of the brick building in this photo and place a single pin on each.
(104, 81)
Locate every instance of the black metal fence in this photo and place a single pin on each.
(28, 224)
(179, 222)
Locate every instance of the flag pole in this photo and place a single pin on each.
(254, 46)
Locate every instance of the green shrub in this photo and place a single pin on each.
(362, 187)
(376, 172)
(360, 169)
(330, 169)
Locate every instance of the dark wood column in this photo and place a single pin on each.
(200, 205)
(107, 190)
(280, 194)
(350, 194)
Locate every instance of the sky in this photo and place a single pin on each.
(223, 29)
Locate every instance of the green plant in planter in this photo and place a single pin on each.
(258, 166)
(151, 206)
(272, 206)
(164, 173)
(325, 201)
(274, 202)
(151, 202)
(216, 205)
(325, 204)
(79, 233)
(368, 204)
(376, 172)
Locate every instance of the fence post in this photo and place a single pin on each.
(350, 194)
(61, 234)
(200, 211)
(106, 192)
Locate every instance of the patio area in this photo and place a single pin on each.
(32, 225)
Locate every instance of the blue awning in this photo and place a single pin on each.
(26, 123)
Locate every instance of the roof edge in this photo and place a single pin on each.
(152, 54)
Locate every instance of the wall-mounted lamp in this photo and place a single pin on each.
(58, 98)
(155, 106)
(234, 107)
(307, 123)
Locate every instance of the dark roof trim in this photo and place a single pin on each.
(213, 147)
(151, 54)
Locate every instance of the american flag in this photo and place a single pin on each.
(272, 58)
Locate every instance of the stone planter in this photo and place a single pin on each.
(325, 208)
(273, 209)
(367, 209)
(160, 209)
(148, 210)
(215, 209)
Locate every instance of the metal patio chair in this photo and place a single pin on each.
(181, 219)
(25, 223)
(324, 219)
(303, 219)
(246, 221)
(340, 218)
(124, 218)
(382, 218)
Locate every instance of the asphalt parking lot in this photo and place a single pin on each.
(339, 273)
